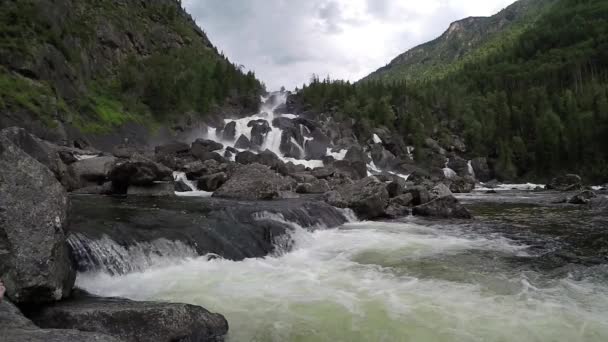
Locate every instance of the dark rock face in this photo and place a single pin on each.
(382, 158)
(246, 157)
(394, 189)
(229, 133)
(443, 207)
(138, 172)
(243, 143)
(315, 187)
(367, 198)
(584, 197)
(323, 172)
(567, 182)
(14, 327)
(481, 169)
(234, 230)
(462, 185)
(399, 206)
(356, 154)
(202, 148)
(171, 149)
(459, 165)
(315, 149)
(212, 182)
(255, 182)
(134, 321)
(355, 170)
(181, 186)
(259, 130)
(34, 258)
(90, 172)
(420, 194)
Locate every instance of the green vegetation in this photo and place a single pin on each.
(107, 63)
(537, 106)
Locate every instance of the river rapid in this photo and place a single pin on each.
(524, 270)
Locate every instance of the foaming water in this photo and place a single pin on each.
(379, 282)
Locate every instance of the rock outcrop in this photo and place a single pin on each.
(568, 182)
(443, 207)
(255, 182)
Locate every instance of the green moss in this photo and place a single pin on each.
(17, 92)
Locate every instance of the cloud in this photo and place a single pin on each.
(286, 41)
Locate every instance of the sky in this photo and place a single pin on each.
(285, 42)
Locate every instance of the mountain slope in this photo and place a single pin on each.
(96, 65)
(465, 40)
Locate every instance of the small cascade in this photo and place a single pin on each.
(470, 169)
(181, 176)
(377, 139)
(108, 256)
(447, 172)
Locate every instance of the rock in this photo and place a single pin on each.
(434, 146)
(569, 182)
(212, 182)
(367, 198)
(199, 169)
(440, 190)
(205, 145)
(481, 169)
(124, 151)
(131, 321)
(138, 172)
(229, 133)
(584, 197)
(328, 160)
(303, 177)
(394, 189)
(323, 172)
(460, 165)
(419, 177)
(156, 189)
(243, 143)
(289, 147)
(462, 185)
(104, 189)
(34, 257)
(259, 130)
(246, 157)
(67, 157)
(14, 327)
(255, 182)
(269, 159)
(171, 149)
(315, 149)
(206, 155)
(90, 172)
(420, 194)
(399, 206)
(181, 186)
(443, 207)
(355, 170)
(356, 154)
(316, 187)
(382, 158)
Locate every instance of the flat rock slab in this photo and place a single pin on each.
(134, 321)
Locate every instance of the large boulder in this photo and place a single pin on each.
(131, 321)
(89, 172)
(173, 148)
(382, 158)
(318, 186)
(34, 257)
(229, 133)
(443, 207)
(206, 145)
(138, 172)
(14, 327)
(212, 182)
(584, 197)
(243, 143)
(255, 182)
(351, 169)
(368, 198)
(259, 130)
(460, 165)
(481, 169)
(462, 185)
(569, 182)
(356, 154)
(399, 206)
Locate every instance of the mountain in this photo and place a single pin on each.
(93, 66)
(465, 40)
(534, 105)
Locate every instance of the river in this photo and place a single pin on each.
(524, 270)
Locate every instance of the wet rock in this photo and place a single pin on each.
(382, 158)
(255, 182)
(134, 321)
(199, 169)
(181, 186)
(212, 182)
(89, 172)
(367, 198)
(356, 154)
(584, 197)
(419, 193)
(355, 170)
(34, 258)
(171, 149)
(434, 146)
(440, 190)
(259, 130)
(205, 145)
(460, 165)
(67, 157)
(303, 177)
(569, 182)
(269, 159)
(289, 148)
(243, 143)
(323, 172)
(481, 169)
(138, 172)
(316, 187)
(399, 206)
(206, 155)
(443, 207)
(395, 189)
(315, 149)
(462, 185)
(156, 189)
(229, 133)
(246, 157)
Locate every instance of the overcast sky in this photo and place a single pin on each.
(286, 41)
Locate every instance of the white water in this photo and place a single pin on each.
(506, 187)
(377, 282)
(177, 176)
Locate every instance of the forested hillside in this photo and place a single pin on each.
(537, 105)
(94, 65)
